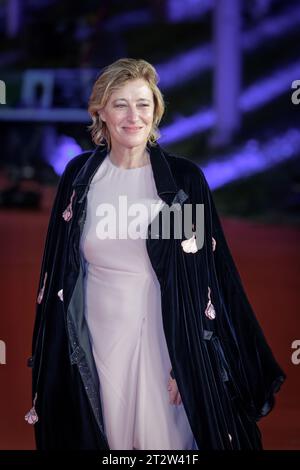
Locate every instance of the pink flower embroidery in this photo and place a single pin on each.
(214, 244)
(60, 295)
(31, 417)
(68, 212)
(190, 245)
(41, 293)
(210, 309)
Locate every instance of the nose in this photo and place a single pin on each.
(132, 114)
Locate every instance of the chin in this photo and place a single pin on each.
(134, 142)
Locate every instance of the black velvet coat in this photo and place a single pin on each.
(224, 368)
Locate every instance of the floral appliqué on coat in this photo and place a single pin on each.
(41, 292)
(31, 417)
(210, 311)
(68, 212)
(190, 246)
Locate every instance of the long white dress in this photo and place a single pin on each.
(123, 313)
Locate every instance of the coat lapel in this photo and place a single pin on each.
(166, 186)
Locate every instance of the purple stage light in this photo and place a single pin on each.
(257, 95)
(66, 149)
(197, 60)
(187, 10)
(253, 157)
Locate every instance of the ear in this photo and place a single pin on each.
(101, 114)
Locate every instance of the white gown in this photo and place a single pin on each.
(123, 313)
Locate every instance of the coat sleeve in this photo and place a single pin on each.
(254, 372)
(56, 227)
(51, 268)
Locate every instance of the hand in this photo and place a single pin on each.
(174, 395)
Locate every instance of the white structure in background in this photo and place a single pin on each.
(2, 92)
(2, 352)
(37, 88)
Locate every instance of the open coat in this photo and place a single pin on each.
(225, 371)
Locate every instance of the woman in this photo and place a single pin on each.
(142, 340)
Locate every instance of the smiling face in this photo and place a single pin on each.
(128, 114)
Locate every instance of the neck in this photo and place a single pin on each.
(134, 157)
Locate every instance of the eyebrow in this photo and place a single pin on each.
(124, 99)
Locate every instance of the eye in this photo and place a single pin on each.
(120, 105)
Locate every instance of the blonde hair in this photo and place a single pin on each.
(113, 77)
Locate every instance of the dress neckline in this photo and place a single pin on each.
(119, 168)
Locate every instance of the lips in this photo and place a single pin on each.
(132, 129)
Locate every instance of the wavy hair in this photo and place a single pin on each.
(113, 77)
